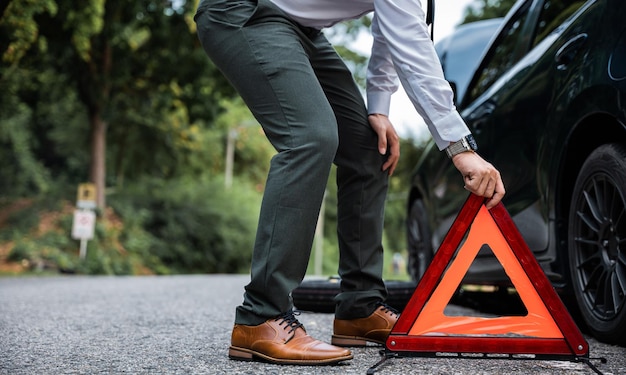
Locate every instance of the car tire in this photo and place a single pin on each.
(319, 295)
(419, 246)
(597, 243)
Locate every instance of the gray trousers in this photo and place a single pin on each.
(312, 112)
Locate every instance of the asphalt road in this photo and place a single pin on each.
(182, 325)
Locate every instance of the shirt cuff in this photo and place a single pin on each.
(450, 128)
(378, 102)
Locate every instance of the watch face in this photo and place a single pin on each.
(472, 142)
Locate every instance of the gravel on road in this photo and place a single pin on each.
(182, 325)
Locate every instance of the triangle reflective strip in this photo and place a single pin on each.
(546, 329)
(537, 323)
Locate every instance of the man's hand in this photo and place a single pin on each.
(480, 177)
(387, 140)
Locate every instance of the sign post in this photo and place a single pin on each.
(84, 217)
(86, 197)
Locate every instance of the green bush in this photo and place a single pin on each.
(194, 225)
(24, 219)
(22, 251)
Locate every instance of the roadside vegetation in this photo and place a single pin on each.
(121, 95)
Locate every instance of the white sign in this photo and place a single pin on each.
(83, 225)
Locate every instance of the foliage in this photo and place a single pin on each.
(153, 227)
(252, 150)
(135, 67)
(167, 112)
(342, 36)
(40, 135)
(19, 31)
(197, 225)
(36, 233)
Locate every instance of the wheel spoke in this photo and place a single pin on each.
(621, 258)
(617, 217)
(600, 295)
(594, 279)
(588, 221)
(613, 292)
(585, 241)
(618, 284)
(620, 217)
(594, 258)
(593, 206)
(600, 187)
(620, 272)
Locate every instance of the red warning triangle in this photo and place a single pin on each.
(546, 330)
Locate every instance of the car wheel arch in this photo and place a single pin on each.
(582, 140)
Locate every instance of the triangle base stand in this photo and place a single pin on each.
(386, 355)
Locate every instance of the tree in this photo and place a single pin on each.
(135, 67)
(344, 34)
(126, 80)
(19, 33)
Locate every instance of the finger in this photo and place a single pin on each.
(382, 143)
(471, 183)
(388, 166)
(477, 186)
(393, 159)
(482, 186)
(395, 151)
(391, 164)
(497, 195)
(490, 189)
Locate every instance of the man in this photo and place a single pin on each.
(275, 55)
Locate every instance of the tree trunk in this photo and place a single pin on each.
(98, 157)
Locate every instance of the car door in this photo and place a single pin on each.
(510, 100)
(438, 179)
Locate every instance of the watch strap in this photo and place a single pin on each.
(466, 144)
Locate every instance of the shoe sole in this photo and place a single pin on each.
(243, 354)
(341, 340)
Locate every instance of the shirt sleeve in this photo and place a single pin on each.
(403, 52)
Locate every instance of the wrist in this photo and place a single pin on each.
(466, 144)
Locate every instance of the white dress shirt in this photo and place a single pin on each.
(401, 51)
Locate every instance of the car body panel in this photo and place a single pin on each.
(536, 120)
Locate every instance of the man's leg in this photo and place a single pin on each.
(265, 57)
(360, 315)
(267, 62)
(362, 188)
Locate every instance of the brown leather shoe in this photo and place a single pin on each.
(357, 332)
(283, 340)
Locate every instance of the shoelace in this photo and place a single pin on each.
(290, 318)
(388, 309)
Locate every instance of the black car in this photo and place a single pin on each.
(547, 105)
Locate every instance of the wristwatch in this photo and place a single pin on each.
(467, 143)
